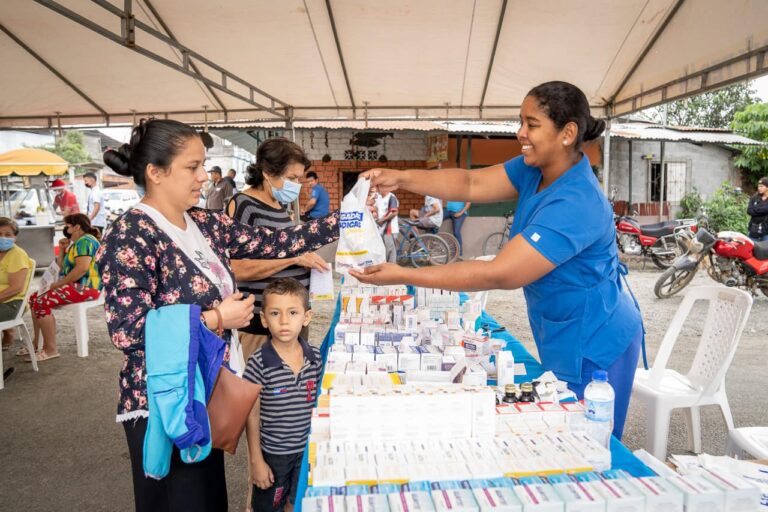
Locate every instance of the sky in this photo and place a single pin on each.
(123, 134)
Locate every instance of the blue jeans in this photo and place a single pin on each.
(621, 375)
(456, 222)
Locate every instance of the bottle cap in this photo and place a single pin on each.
(526, 387)
(600, 375)
(510, 389)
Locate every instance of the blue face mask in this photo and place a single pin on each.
(288, 193)
(6, 244)
(140, 190)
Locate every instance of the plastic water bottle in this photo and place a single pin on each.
(598, 407)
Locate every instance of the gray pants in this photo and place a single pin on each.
(389, 244)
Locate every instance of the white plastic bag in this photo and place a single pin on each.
(360, 244)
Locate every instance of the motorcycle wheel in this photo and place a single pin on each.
(672, 281)
(666, 261)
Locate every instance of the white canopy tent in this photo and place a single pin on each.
(106, 62)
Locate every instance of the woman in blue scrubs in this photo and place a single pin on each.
(562, 248)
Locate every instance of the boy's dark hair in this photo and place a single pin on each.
(287, 286)
(312, 175)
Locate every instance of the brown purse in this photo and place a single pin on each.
(228, 408)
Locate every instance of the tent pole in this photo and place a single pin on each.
(289, 126)
(629, 198)
(469, 151)
(662, 183)
(606, 156)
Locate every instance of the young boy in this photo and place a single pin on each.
(289, 369)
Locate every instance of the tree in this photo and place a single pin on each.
(70, 147)
(714, 109)
(752, 122)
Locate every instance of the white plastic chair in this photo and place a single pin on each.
(80, 316)
(18, 322)
(747, 442)
(663, 389)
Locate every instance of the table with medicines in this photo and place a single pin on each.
(407, 420)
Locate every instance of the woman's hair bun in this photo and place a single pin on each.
(594, 128)
(118, 160)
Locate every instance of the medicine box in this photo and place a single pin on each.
(366, 503)
(497, 499)
(323, 503)
(740, 495)
(699, 494)
(660, 495)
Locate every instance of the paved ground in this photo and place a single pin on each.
(60, 448)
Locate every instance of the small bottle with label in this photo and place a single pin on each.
(510, 394)
(526, 393)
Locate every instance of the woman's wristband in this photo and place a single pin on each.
(220, 322)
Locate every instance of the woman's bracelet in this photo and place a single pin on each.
(220, 324)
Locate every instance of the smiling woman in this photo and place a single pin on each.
(166, 252)
(562, 248)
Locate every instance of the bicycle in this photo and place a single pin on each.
(495, 241)
(420, 249)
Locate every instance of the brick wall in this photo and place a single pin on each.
(331, 173)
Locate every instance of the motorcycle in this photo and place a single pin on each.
(731, 258)
(661, 242)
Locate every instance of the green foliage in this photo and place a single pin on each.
(727, 209)
(714, 109)
(70, 147)
(752, 122)
(690, 203)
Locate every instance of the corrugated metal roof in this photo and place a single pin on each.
(474, 127)
(641, 131)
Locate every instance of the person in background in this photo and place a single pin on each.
(97, 213)
(430, 216)
(387, 207)
(457, 212)
(15, 276)
(231, 174)
(278, 426)
(758, 212)
(219, 190)
(319, 203)
(65, 200)
(79, 281)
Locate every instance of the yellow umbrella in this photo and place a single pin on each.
(31, 162)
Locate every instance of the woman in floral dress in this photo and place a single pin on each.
(165, 251)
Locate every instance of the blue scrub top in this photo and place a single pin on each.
(454, 206)
(580, 309)
(322, 204)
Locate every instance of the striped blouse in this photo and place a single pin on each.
(252, 212)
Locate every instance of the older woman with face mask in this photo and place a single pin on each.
(165, 252)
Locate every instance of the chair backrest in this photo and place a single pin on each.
(27, 293)
(726, 317)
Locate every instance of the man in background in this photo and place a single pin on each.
(65, 200)
(219, 191)
(95, 209)
(319, 202)
(387, 207)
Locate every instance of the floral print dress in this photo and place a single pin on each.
(142, 269)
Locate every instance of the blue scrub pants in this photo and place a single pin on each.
(621, 375)
(456, 222)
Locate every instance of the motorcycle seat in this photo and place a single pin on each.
(760, 250)
(659, 229)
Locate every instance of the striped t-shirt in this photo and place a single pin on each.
(287, 399)
(252, 212)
